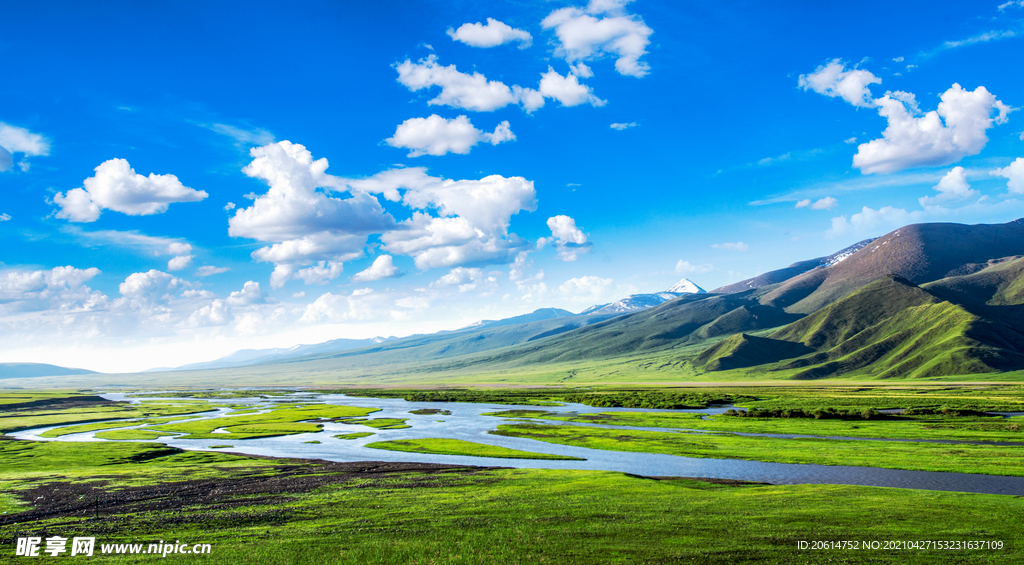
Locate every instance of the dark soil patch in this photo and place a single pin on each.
(430, 412)
(107, 508)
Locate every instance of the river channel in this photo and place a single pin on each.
(467, 423)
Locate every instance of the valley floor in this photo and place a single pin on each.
(263, 510)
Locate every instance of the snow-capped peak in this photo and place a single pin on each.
(686, 286)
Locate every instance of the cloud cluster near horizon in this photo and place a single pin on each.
(912, 138)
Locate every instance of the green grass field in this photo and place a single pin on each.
(990, 460)
(991, 428)
(477, 516)
(260, 510)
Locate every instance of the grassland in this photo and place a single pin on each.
(378, 423)
(78, 408)
(992, 428)
(444, 446)
(281, 421)
(916, 456)
(355, 435)
(260, 511)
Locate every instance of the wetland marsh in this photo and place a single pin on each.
(336, 478)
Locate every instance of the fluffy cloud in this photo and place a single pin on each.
(738, 246)
(116, 186)
(5, 217)
(458, 90)
(180, 262)
(582, 35)
(940, 137)
(869, 220)
(320, 273)
(686, 267)
(305, 224)
(437, 136)
(362, 304)
(585, 289)
(61, 289)
(293, 208)
(826, 203)
(473, 216)
(13, 140)
(460, 276)
(213, 314)
(570, 241)
(250, 294)
(178, 248)
(151, 283)
(474, 92)
(493, 34)
(1014, 172)
(567, 89)
(621, 127)
(952, 187)
(833, 80)
(453, 222)
(382, 268)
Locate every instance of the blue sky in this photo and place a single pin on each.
(165, 198)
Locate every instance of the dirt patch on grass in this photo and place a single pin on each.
(106, 508)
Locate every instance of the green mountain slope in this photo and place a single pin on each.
(742, 350)
(891, 328)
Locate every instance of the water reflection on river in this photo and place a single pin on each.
(466, 423)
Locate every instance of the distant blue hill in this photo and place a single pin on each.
(26, 370)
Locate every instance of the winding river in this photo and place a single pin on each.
(467, 423)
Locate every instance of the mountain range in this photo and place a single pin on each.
(924, 301)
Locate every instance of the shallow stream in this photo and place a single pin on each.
(467, 423)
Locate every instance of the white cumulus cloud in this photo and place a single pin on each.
(567, 89)
(570, 241)
(458, 90)
(493, 34)
(150, 283)
(180, 262)
(834, 80)
(14, 139)
(1014, 173)
(583, 34)
(304, 224)
(116, 186)
(940, 137)
(320, 273)
(621, 127)
(952, 187)
(473, 216)
(382, 268)
(870, 221)
(474, 92)
(250, 294)
(438, 136)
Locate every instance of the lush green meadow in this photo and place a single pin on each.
(262, 510)
(281, 511)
